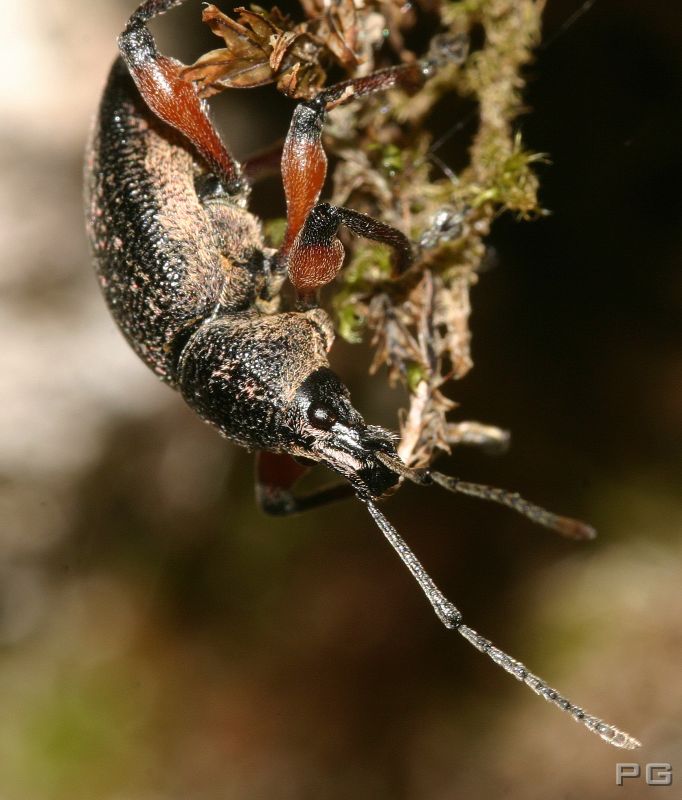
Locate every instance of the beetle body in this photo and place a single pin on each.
(187, 277)
(163, 257)
(190, 283)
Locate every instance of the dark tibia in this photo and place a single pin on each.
(444, 49)
(172, 99)
(263, 164)
(276, 473)
(370, 228)
(304, 163)
(152, 8)
(409, 77)
(281, 502)
(317, 255)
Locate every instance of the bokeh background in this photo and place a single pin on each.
(160, 639)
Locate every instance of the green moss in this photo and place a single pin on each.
(391, 158)
(349, 322)
(274, 230)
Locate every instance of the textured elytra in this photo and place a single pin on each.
(163, 257)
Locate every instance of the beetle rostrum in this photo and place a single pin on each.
(187, 277)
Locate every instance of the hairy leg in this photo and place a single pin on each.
(276, 473)
(172, 99)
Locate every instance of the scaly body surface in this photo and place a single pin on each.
(186, 275)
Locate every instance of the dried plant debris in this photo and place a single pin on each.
(264, 47)
(387, 166)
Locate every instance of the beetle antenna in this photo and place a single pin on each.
(451, 617)
(566, 526)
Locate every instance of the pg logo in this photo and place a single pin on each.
(655, 774)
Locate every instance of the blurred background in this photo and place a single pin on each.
(160, 639)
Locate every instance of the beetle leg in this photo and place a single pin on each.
(304, 163)
(409, 77)
(276, 473)
(370, 228)
(263, 164)
(172, 99)
(304, 168)
(317, 254)
(310, 250)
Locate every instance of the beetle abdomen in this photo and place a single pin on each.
(159, 252)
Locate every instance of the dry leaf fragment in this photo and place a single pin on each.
(337, 29)
(266, 47)
(244, 63)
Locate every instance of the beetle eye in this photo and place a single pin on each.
(321, 416)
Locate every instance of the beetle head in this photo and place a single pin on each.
(330, 431)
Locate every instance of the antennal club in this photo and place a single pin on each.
(571, 528)
(566, 526)
(451, 617)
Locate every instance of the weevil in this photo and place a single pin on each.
(197, 293)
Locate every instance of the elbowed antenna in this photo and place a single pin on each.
(566, 526)
(451, 617)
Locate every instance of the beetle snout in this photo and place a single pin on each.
(339, 437)
(378, 478)
(374, 474)
(352, 451)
